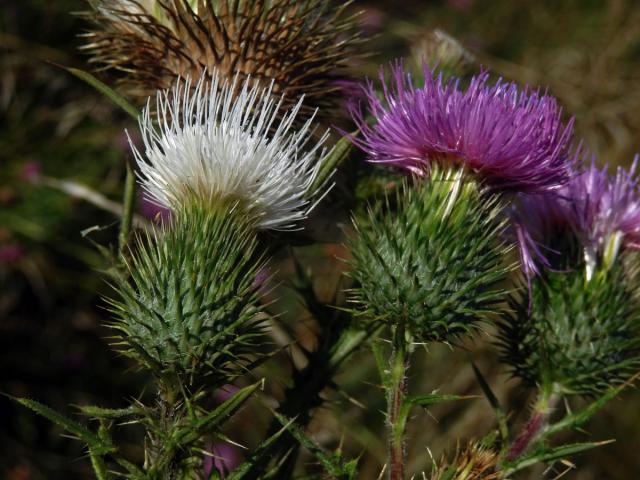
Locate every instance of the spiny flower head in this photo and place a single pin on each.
(435, 260)
(189, 307)
(514, 140)
(303, 46)
(221, 141)
(577, 334)
(601, 212)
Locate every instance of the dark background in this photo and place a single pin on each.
(52, 347)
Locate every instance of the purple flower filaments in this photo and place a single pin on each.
(514, 140)
(602, 211)
(605, 212)
(535, 219)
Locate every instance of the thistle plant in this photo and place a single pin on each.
(436, 265)
(225, 161)
(479, 171)
(578, 333)
(430, 269)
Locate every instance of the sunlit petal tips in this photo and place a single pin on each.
(229, 141)
(513, 140)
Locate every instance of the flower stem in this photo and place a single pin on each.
(533, 429)
(128, 206)
(396, 408)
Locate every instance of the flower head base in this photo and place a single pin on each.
(225, 142)
(190, 308)
(512, 140)
(303, 46)
(436, 261)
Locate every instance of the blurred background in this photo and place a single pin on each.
(61, 142)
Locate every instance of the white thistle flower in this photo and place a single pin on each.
(223, 143)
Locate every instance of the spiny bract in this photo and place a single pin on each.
(189, 310)
(435, 260)
(579, 335)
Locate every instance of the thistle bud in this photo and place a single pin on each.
(440, 50)
(435, 260)
(578, 336)
(190, 308)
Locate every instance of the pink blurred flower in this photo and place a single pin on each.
(223, 457)
(372, 20)
(151, 210)
(460, 4)
(11, 253)
(31, 172)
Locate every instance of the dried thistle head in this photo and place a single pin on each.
(303, 46)
(475, 462)
(440, 50)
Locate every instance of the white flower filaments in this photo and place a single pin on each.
(228, 143)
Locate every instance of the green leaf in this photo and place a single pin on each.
(499, 412)
(257, 457)
(107, 413)
(96, 445)
(435, 398)
(577, 419)
(214, 419)
(338, 154)
(106, 90)
(99, 468)
(381, 363)
(550, 455)
(134, 472)
(332, 463)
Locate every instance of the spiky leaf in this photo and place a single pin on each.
(97, 445)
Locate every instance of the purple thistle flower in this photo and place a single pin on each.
(514, 140)
(11, 253)
(603, 212)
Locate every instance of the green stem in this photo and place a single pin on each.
(396, 410)
(128, 207)
(163, 455)
(534, 429)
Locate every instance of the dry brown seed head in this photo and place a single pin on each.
(303, 46)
